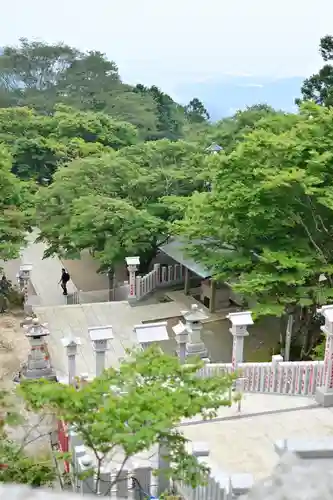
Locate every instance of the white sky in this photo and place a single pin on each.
(167, 42)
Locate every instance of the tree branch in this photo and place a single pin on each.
(319, 250)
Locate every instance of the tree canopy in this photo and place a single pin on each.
(319, 86)
(271, 203)
(40, 76)
(135, 407)
(128, 214)
(13, 223)
(40, 143)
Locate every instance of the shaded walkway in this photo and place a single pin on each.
(45, 274)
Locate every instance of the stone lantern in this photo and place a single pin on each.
(39, 364)
(24, 276)
(239, 323)
(193, 322)
(71, 344)
(149, 333)
(132, 266)
(182, 337)
(324, 394)
(100, 336)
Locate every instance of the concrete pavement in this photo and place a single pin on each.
(45, 274)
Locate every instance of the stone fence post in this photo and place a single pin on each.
(132, 266)
(324, 394)
(100, 336)
(71, 344)
(239, 323)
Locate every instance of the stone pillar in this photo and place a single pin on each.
(86, 485)
(182, 337)
(239, 323)
(212, 296)
(100, 336)
(289, 332)
(163, 468)
(187, 281)
(132, 266)
(71, 343)
(39, 364)
(324, 394)
(193, 319)
(24, 280)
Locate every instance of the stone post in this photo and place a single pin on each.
(324, 394)
(239, 323)
(163, 468)
(193, 319)
(100, 336)
(149, 333)
(87, 483)
(187, 281)
(71, 343)
(24, 280)
(39, 364)
(182, 337)
(132, 266)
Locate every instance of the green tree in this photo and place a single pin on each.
(16, 464)
(135, 407)
(39, 144)
(166, 168)
(127, 214)
(196, 112)
(170, 116)
(35, 65)
(319, 87)
(41, 75)
(271, 202)
(13, 223)
(232, 130)
(112, 229)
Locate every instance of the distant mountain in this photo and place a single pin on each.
(223, 97)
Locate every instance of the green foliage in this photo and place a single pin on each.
(271, 202)
(130, 212)
(318, 353)
(136, 406)
(170, 116)
(319, 87)
(13, 223)
(18, 467)
(112, 229)
(232, 130)
(39, 144)
(40, 76)
(196, 112)
(16, 464)
(10, 296)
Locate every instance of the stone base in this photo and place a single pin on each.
(324, 398)
(133, 301)
(31, 374)
(197, 350)
(28, 309)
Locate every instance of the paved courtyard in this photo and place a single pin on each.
(244, 442)
(76, 319)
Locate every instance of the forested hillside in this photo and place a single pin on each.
(40, 76)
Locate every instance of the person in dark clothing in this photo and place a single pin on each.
(64, 280)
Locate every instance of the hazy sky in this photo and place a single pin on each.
(170, 41)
